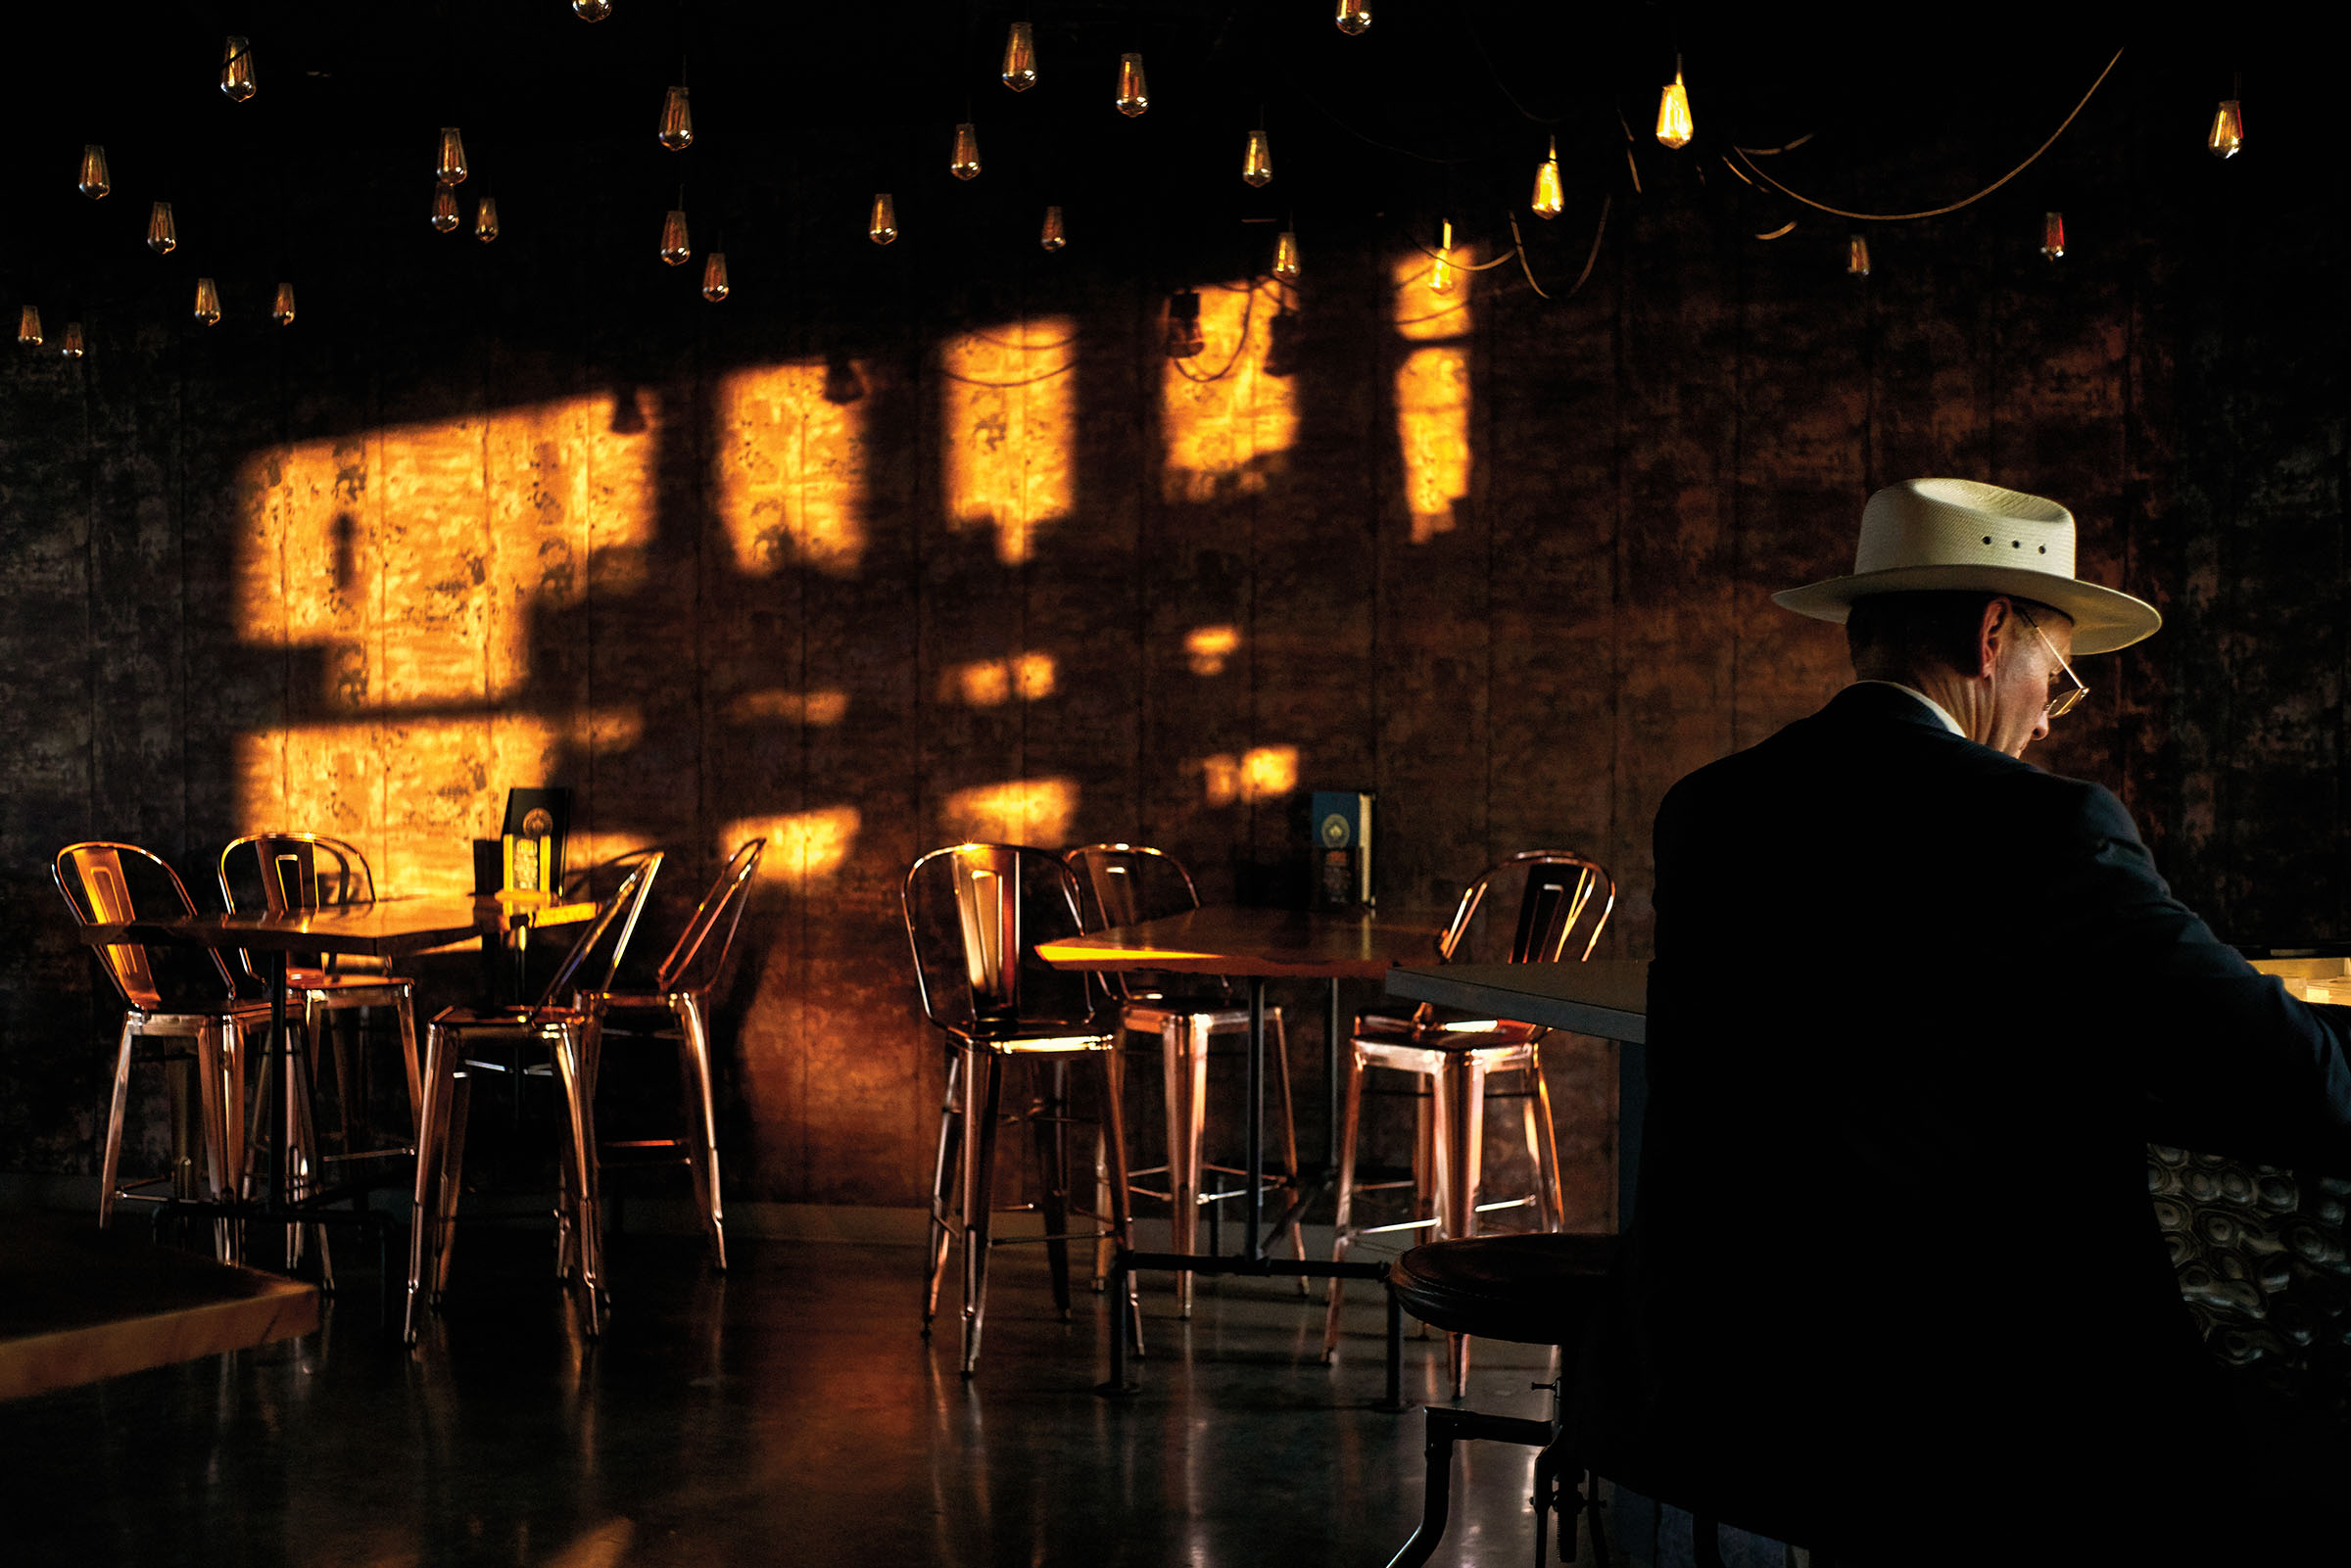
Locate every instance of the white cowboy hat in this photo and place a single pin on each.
(1931, 535)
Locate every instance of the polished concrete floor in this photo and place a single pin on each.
(787, 1413)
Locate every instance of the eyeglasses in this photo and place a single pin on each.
(2062, 702)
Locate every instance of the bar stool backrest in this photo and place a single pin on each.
(616, 919)
(694, 963)
(294, 871)
(1126, 884)
(975, 914)
(1558, 890)
(101, 882)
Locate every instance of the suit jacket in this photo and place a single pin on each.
(1917, 1008)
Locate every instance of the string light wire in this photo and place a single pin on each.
(1745, 157)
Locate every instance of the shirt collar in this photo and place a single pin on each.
(1940, 712)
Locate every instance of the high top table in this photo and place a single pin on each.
(389, 928)
(1253, 945)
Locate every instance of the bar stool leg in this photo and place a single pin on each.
(1350, 1119)
(1461, 1105)
(425, 1205)
(702, 1120)
(573, 1055)
(943, 1170)
(1546, 1144)
(1187, 1141)
(983, 1095)
(1121, 1209)
(1050, 1134)
(456, 1107)
(1289, 1135)
(110, 1164)
(404, 1012)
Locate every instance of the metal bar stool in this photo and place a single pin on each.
(681, 988)
(1126, 884)
(974, 915)
(569, 1036)
(300, 871)
(174, 995)
(1544, 1288)
(1453, 1061)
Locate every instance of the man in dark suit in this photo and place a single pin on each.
(1916, 1011)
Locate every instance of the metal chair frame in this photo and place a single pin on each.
(1109, 886)
(993, 920)
(1452, 1062)
(570, 1035)
(216, 1036)
(681, 988)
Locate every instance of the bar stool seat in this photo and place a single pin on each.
(1548, 1288)
(1537, 1289)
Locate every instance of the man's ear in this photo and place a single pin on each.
(1991, 633)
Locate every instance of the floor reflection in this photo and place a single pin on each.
(790, 1411)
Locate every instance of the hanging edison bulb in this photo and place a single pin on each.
(1019, 58)
(28, 327)
(674, 247)
(882, 226)
(1256, 162)
(714, 277)
(1548, 201)
(485, 219)
(1184, 341)
(591, 9)
(1856, 257)
(450, 167)
(965, 164)
(1353, 15)
(281, 309)
(1440, 270)
(2228, 129)
(236, 70)
(676, 121)
(162, 232)
(1052, 238)
(444, 207)
(94, 182)
(70, 345)
(1285, 256)
(2052, 235)
(1134, 95)
(208, 302)
(1674, 112)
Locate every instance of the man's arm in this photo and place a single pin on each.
(2230, 1062)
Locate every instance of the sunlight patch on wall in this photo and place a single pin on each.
(802, 845)
(782, 705)
(1007, 398)
(1265, 772)
(1224, 436)
(992, 683)
(789, 468)
(1019, 810)
(412, 579)
(1432, 394)
(1207, 647)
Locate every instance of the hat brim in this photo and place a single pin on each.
(2103, 619)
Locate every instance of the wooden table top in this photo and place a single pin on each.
(1606, 997)
(1296, 943)
(388, 928)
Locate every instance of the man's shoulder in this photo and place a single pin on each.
(1879, 745)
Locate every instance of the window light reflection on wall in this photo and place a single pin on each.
(1207, 647)
(1017, 811)
(1432, 400)
(1007, 396)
